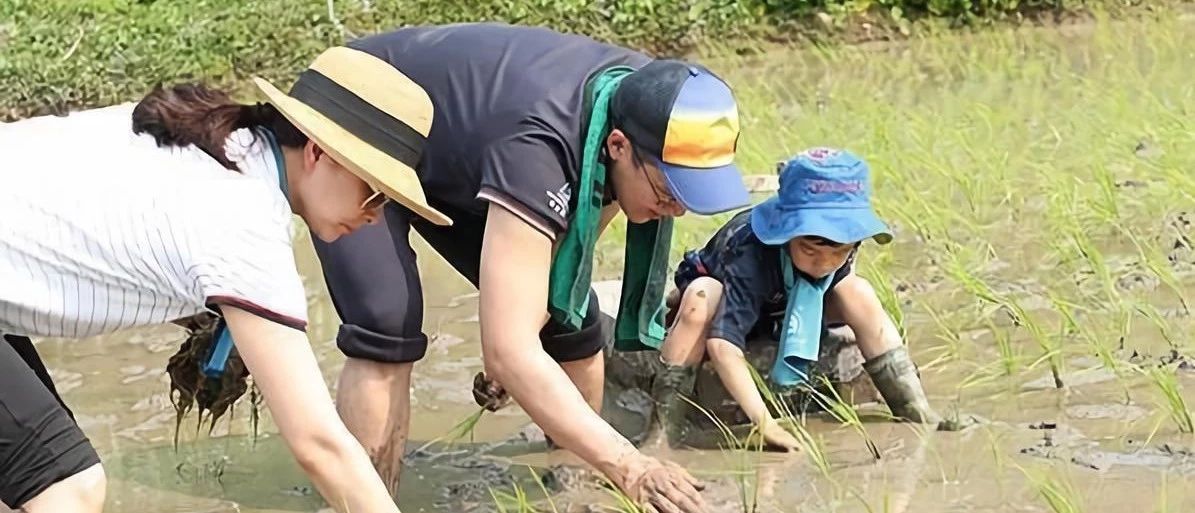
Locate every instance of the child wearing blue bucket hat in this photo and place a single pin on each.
(787, 263)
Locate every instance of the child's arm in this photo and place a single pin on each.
(746, 284)
(731, 366)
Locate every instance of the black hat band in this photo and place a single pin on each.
(370, 124)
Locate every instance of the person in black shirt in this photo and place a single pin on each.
(503, 164)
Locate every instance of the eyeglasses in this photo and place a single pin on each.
(664, 198)
(375, 200)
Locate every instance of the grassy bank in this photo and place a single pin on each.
(57, 55)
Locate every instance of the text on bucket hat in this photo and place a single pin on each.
(824, 192)
(369, 116)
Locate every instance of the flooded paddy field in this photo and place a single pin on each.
(1040, 186)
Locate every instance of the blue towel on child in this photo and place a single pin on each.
(801, 329)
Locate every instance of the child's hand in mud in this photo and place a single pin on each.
(488, 393)
(960, 422)
(776, 437)
(664, 487)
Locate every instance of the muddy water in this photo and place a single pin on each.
(1104, 438)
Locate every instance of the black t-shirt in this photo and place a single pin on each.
(507, 124)
(753, 292)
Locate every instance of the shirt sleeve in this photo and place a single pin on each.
(525, 173)
(247, 261)
(745, 286)
(846, 268)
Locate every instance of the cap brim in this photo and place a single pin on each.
(774, 225)
(707, 191)
(393, 178)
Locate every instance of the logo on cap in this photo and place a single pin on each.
(820, 154)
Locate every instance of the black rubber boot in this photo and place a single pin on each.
(895, 376)
(667, 423)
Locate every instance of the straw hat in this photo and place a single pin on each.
(369, 116)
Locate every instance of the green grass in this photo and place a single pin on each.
(61, 54)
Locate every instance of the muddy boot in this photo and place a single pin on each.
(896, 377)
(667, 423)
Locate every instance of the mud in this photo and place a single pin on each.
(628, 375)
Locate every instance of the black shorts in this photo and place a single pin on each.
(40, 444)
(373, 279)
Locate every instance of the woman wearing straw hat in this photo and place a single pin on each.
(136, 215)
(539, 139)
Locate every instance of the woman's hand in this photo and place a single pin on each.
(488, 393)
(285, 369)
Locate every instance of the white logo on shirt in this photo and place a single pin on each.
(559, 200)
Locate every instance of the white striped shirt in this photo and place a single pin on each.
(102, 230)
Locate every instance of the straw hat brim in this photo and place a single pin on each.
(385, 173)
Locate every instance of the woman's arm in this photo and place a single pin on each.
(285, 369)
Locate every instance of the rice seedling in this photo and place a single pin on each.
(543, 488)
(465, 427)
(1153, 259)
(999, 456)
(952, 343)
(738, 453)
(1009, 357)
(1070, 327)
(1096, 263)
(810, 445)
(1059, 495)
(1107, 205)
(1151, 313)
(1165, 381)
(843, 412)
(1014, 309)
(514, 502)
(876, 272)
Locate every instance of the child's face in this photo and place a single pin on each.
(818, 257)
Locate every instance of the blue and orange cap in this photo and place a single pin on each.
(687, 119)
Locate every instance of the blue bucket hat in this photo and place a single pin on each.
(823, 192)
